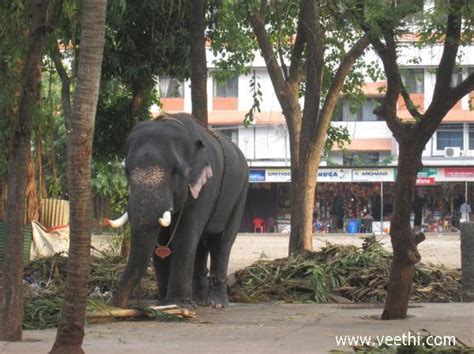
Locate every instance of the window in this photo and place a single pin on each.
(350, 158)
(351, 111)
(231, 133)
(337, 114)
(414, 80)
(367, 113)
(470, 70)
(449, 135)
(229, 88)
(456, 77)
(471, 136)
(171, 88)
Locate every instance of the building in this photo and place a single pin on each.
(360, 177)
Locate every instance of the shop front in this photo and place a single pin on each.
(359, 199)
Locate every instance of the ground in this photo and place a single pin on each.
(273, 328)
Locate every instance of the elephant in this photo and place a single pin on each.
(187, 191)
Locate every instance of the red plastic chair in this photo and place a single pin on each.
(259, 225)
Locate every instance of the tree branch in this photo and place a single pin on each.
(440, 103)
(314, 68)
(297, 53)
(409, 102)
(336, 85)
(461, 90)
(258, 24)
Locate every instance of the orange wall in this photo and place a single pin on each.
(418, 101)
(172, 104)
(224, 103)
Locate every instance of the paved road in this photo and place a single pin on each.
(260, 328)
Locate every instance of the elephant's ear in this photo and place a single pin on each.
(201, 170)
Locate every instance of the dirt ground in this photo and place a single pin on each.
(437, 248)
(274, 328)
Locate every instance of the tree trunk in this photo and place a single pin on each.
(71, 329)
(404, 240)
(42, 191)
(304, 187)
(32, 205)
(198, 61)
(136, 105)
(12, 311)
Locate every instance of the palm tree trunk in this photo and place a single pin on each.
(71, 329)
(198, 62)
(12, 311)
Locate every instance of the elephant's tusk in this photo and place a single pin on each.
(165, 221)
(119, 222)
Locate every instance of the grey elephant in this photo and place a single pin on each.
(188, 187)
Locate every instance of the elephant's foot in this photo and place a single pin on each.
(218, 293)
(120, 300)
(183, 303)
(201, 290)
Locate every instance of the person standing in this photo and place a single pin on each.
(465, 210)
(418, 204)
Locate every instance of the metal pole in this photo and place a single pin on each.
(465, 191)
(381, 208)
(465, 198)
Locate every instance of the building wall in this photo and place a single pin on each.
(267, 142)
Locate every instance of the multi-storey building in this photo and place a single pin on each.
(359, 177)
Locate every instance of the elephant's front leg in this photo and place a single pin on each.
(142, 247)
(184, 247)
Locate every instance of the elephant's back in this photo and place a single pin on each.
(233, 184)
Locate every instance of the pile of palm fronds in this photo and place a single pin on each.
(49, 275)
(339, 274)
(45, 279)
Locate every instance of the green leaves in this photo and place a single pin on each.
(257, 99)
(109, 180)
(336, 135)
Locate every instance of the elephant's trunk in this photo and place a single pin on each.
(142, 246)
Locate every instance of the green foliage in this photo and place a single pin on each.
(145, 40)
(13, 24)
(336, 135)
(109, 180)
(256, 90)
(232, 40)
(113, 122)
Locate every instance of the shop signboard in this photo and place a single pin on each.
(457, 174)
(334, 175)
(427, 177)
(373, 175)
(278, 175)
(428, 172)
(425, 181)
(256, 176)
